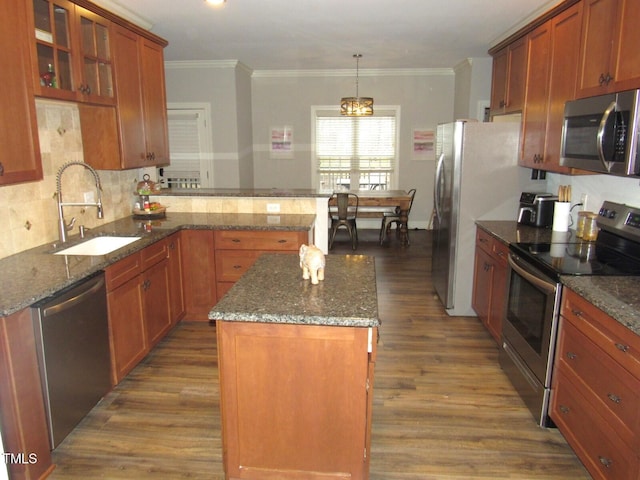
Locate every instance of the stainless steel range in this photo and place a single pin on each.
(534, 292)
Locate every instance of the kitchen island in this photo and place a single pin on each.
(296, 365)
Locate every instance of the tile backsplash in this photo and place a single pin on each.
(28, 210)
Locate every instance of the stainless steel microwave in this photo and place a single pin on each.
(600, 134)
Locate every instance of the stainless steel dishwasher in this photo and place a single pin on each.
(72, 340)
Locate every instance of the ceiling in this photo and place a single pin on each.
(324, 34)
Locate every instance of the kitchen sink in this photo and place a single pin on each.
(98, 246)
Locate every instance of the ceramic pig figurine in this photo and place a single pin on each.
(312, 263)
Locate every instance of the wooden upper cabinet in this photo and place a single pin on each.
(535, 110)
(551, 81)
(609, 57)
(72, 59)
(141, 102)
(509, 76)
(154, 102)
(20, 159)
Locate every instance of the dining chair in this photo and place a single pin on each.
(389, 218)
(344, 215)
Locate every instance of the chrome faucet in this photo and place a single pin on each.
(63, 227)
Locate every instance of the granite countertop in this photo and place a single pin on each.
(618, 297)
(32, 275)
(243, 192)
(347, 297)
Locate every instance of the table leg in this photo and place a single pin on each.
(404, 234)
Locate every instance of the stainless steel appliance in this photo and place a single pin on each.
(477, 177)
(536, 209)
(534, 294)
(72, 341)
(600, 134)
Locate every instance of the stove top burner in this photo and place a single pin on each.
(585, 258)
(616, 251)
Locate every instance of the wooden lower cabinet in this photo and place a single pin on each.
(138, 297)
(198, 273)
(25, 434)
(596, 389)
(490, 282)
(295, 400)
(176, 293)
(128, 339)
(237, 250)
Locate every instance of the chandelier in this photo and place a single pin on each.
(356, 106)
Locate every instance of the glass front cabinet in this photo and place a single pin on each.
(73, 58)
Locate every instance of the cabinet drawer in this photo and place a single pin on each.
(614, 338)
(500, 251)
(604, 453)
(231, 264)
(257, 240)
(611, 390)
(154, 253)
(123, 271)
(484, 240)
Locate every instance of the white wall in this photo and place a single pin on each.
(425, 98)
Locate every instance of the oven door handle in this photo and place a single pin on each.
(538, 282)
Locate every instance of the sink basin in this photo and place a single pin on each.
(98, 246)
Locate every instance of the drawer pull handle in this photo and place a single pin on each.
(235, 240)
(484, 240)
(282, 241)
(577, 313)
(563, 409)
(571, 356)
(237, 267)
(622, 348)
(614, 398)
(606, 462)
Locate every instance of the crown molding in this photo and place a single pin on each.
(124, 12)
(378, 72)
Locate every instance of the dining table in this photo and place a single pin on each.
(373, 203)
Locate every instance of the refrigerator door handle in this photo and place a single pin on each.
(437, 193)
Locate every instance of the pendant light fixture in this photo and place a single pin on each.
(356, 106)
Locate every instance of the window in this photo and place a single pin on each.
(357, 153)
(189, 148)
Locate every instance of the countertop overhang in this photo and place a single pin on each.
(273, 291)
(35, 274)
(244, 192)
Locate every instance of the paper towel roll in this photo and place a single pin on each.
(561, 216)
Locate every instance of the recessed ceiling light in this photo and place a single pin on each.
(216, 3)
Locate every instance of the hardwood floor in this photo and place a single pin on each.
(443, 409)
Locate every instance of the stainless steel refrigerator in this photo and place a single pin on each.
(476, 178)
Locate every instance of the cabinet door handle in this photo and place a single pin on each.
(614, 398)
(564, 409)
(606, 462)
(1, 169)
(146, 285)
(622, 348)
(602, 79)
(571, 356)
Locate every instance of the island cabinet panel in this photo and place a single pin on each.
(22, 415)
(295, 400)
(596, 389)
(198, 273)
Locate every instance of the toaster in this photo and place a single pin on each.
(536, 209)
